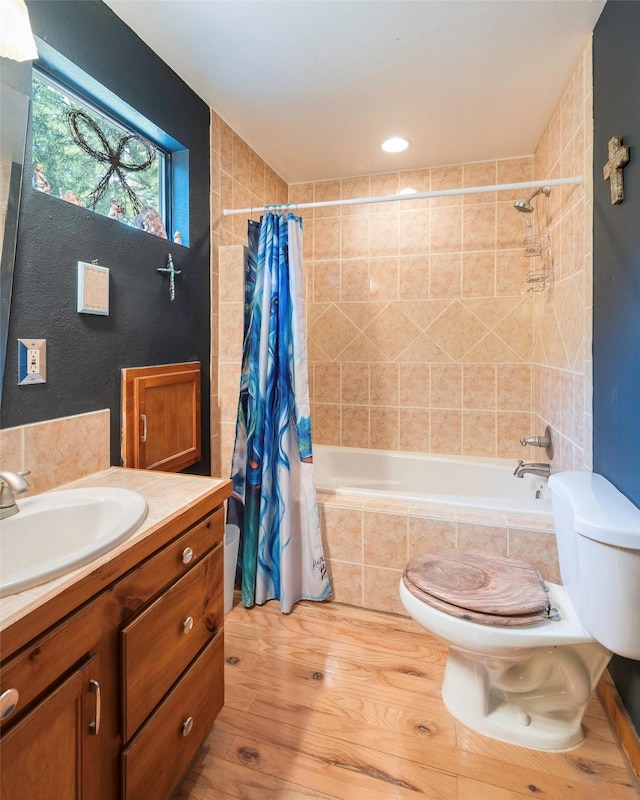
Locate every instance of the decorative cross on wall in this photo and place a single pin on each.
(618, 158)
(172, 272)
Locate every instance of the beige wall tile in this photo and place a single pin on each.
(355, 383)
(65, 449)
(383, 428)
(347, 583)
(446, 432)
(446, 386)
(414, 385)
(12, 449)
(479, 386)
(343, 533)
(428, 535)
(384, 385)
(538, 548)
(415, 430)
(380, 591)
(478, 433)
(355, 425)
(385, 540)
(327, 382)
(479, 227)
(413, 277)
(486, 538)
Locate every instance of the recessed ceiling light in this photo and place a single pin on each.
(395, 145)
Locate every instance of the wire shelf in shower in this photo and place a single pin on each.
(535, 244)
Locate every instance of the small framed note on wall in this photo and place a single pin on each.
(93, 289)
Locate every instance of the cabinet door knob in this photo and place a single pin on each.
(187, 725)
(143, 435)
(187, 555)
(94, 688)
(187, 625)
(8, 702)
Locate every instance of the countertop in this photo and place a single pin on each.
(174, 502)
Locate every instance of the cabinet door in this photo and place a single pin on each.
(161, 416)
(53, 752)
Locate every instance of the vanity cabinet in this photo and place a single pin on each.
(115, 699)
(172, 662)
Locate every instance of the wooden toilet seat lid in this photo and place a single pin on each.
(486, 588)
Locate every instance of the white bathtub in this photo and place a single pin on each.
(458, 480)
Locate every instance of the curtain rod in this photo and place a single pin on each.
(576, 180)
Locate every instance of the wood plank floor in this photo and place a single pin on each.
(333, 701)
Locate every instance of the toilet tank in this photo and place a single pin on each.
(598, 533)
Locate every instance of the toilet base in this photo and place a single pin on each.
(536, 700)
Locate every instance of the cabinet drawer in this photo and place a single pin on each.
(161, 641)
(171, 563)
(156, 759)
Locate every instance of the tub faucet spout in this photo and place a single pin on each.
(544, 470)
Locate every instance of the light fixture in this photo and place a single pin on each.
(16, 38)
(395, 145)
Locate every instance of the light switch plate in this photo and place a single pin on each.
(32, 361)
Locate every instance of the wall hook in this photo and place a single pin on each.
(171, 271)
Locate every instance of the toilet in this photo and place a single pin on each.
(524, 654)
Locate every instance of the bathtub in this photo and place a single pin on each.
(483, 483)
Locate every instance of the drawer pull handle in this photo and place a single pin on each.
(143, 435)
(94, 688)
(187, 555)
(187, 625)
(8, 702)
(187, 725)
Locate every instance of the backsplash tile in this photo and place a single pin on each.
(57, 451)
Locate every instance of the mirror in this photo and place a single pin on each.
(14, 113)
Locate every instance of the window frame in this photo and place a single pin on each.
(55, 69)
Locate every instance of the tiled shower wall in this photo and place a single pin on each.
(421, 333)
(419, 322)
(239, 179)
(562, 366)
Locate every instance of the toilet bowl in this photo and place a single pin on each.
(530, 684)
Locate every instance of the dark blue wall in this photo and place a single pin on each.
(85, 353)
(616, 287)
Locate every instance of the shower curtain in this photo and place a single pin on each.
(274, 498)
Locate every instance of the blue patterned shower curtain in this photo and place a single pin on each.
(274, 497)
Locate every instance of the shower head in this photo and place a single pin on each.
(525, 205)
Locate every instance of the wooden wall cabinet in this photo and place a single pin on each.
(115, 700)
(161, 416)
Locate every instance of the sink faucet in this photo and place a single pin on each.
(11, 484)
(544, 470)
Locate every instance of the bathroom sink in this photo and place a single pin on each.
(56, 532)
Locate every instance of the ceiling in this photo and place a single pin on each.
(314, 86)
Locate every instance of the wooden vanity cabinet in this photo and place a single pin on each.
(116, 699)
(172, 666)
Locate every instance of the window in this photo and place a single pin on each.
(63, 169)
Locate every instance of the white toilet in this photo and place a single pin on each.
(523, 682)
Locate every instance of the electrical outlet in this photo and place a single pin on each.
(32, 361)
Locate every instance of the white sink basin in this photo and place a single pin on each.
(56, 532)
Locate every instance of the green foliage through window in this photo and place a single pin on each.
(63, 169)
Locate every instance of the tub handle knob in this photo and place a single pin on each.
(545, 441)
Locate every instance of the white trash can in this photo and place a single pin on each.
(231, 540)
